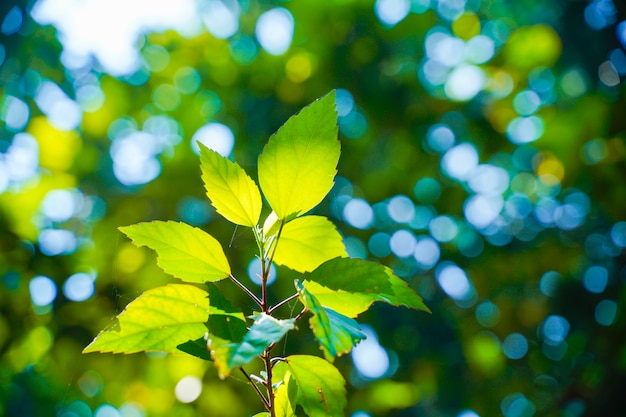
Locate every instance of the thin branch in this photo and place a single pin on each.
(264, 277)
(282, 303)
(270, 389)
(258, 391)
(246, 290)
(304, 310)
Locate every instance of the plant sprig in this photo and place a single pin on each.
(296, 171)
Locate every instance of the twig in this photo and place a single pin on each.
(304, 310)
(258, 391)
(282, 303)
(246, 290)
(270, 393)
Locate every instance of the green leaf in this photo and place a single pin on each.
(158, 320)
(286, 397)
(336, 333)
(263, 414)
(197, 348)
(349, 286)
(231, 191)
(225, 321)
(265, 331)
(307, 242)
(320, 387)
(183, 251)
(298, 165)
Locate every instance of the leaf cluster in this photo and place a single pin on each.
(296, 171)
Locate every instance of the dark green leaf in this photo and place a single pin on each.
(349, 286)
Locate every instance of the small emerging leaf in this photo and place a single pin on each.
(320, 387)
(265, 331)
(349, 286)
(183, 251)
(231, 191)
(336, 333)
(298, 165)
(158, 320)
(307, 242)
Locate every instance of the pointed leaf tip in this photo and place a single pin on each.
(298, 165)
(232, 192)
(349, 286)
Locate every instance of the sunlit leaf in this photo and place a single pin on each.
(307, 242)
(349, 286)
(158, 320)
(183, 251)
(263, 414)
(336, 333)
(299, 162)
(321, 389)
(265, 331)
(231, 191)
(286, 397)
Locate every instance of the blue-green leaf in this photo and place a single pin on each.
(336, 333)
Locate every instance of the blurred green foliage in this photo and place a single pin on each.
(483, 149)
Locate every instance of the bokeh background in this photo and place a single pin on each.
(483, 160)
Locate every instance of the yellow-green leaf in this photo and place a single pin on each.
(298, 165)
(320, 386)
(307, 242)
(158, 320)
(285, 397)
(349, 286)
(231, 191)
(183, 251)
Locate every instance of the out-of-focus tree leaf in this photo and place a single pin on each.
(299, 162)
(183, 251)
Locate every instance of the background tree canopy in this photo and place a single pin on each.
(483, 159)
